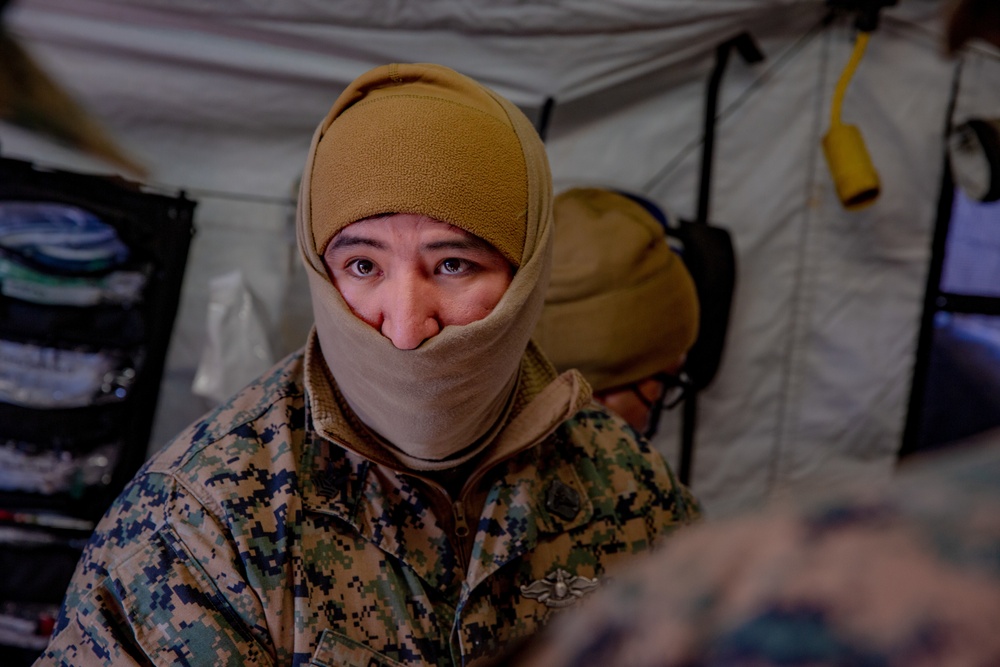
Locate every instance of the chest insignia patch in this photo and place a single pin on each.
(563, 500)
(559, 588)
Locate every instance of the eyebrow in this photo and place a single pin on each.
(468, 242)
(344, 240)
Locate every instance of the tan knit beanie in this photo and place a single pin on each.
(620, 305)
(421, 139)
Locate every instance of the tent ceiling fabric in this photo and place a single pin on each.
(485, 17)
(512, 44)
(815, 377)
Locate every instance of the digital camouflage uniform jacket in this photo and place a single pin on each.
(251, 540)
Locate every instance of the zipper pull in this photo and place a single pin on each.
(462, 546)
(461, 526)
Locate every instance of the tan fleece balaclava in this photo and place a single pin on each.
(424, 139)
(621, 305)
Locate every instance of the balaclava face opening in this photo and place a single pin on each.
(424, 139)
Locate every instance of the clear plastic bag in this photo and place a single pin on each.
(237, 348)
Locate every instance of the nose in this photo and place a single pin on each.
(409, 314)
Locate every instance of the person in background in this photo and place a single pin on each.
(621, 306)
(418, 485)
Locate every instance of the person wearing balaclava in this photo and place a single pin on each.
(621, 307)
(417, 486)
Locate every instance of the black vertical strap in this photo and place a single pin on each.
(689, 420)
(748, 50)
(932, 292)
(925, 340)
(544, 116)
(708, 143)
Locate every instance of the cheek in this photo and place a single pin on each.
(626, 406)
(473, 304)
(358, 302)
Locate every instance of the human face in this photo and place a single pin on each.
(626, 401)
(640, 403)
(409, 276)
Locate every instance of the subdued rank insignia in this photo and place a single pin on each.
(559, 589)
(328, 484)
(563, 500)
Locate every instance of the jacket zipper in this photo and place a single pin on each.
(461, 532)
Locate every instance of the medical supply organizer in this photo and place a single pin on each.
(90, 278)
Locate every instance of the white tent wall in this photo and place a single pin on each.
(815, 377)
(816, 374)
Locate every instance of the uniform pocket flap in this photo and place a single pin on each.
(337, 650)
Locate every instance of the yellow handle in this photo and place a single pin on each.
(854, 175)
(860, 42)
